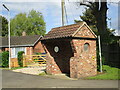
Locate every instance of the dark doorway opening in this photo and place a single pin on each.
(61, 54)
(63, 64)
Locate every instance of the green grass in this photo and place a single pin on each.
(4, 68)
(42, 74)
(12, 68)
(16, 68)
(110, 73)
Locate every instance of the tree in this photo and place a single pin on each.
(32, 24)
(3, 26)
(18, 24)
(89, 18)
(99, 11)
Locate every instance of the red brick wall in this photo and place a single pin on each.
(71, 58)
(29, 50)
(38, 48)
(58, 63)
(14, 61)
(84, 32)
(1, 50)
(6, 49)
(84, 62)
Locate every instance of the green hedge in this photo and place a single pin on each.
(20, 58)
(0, 59)
(4, 59)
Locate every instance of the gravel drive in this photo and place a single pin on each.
(34, 70)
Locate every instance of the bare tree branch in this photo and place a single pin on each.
(87, 5)
(90, 3)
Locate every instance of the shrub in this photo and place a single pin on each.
(5, 59)
(20, 58)
(0, 59)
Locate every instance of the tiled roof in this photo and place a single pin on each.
(19, 40)
(64, 31)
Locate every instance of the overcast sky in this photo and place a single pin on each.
(51, 10)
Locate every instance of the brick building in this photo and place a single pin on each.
(71, 49)
(29, 44)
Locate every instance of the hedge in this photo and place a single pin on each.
(20, 58)
(4, 59)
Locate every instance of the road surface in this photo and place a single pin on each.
(12, 79)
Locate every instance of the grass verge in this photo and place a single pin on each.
(42, 74)
(16, 68)
(111, 73)
(12, 68)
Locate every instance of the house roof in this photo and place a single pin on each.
(17, 41)
(65, 31)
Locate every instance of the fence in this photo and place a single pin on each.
(112, 54)
(30, 60)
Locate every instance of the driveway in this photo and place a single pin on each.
(12, 79)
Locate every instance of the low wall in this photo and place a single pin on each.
(14, 62)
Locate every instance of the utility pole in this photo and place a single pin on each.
(8, 33)
(63, 12)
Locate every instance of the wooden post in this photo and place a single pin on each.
(100, 54)
(23, 60)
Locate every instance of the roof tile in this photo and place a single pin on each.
(64, 31)
(19, 40)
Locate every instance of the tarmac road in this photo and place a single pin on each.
(12, 79)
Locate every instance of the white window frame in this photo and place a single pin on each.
(25, 50)
(13, 51)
